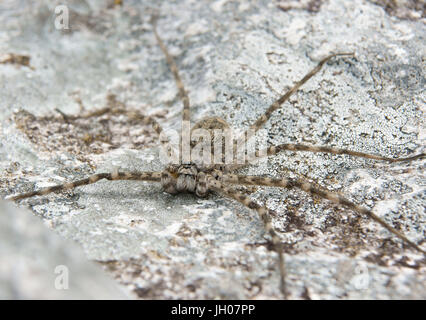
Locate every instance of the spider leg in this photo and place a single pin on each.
(144, 176)
(324, 149)
(310, 188)
(264, 214)
(173, 68)
(274, 106)
(186, 125)
(115, 107)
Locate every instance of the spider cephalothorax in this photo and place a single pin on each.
(188, 178)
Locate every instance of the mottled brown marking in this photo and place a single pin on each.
(206, 179)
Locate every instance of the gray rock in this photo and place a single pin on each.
(235, 58)
(36, 263)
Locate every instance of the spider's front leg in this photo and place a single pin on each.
(143, 176)
(265, 216)
(325, 194)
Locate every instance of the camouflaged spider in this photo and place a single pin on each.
(187, 176)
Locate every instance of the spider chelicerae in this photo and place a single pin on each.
(201, 178)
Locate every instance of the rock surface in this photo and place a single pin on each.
(36, 263)
(235, 58)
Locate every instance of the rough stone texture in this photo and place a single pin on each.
(38, 264)
(235, 57)
(404, 9)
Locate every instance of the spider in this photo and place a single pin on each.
(188, 176)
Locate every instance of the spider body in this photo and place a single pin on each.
(201, 178)
(184, 178)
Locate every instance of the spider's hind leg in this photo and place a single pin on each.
(93, 130)
(281, 100)
(116, 108)
(273, 150)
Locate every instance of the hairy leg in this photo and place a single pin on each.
(264, 214)
(273, 150)
(173, 68)
(312, 189)
(185, 150)
(274, 106)
(115, 107)
(143, 176)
